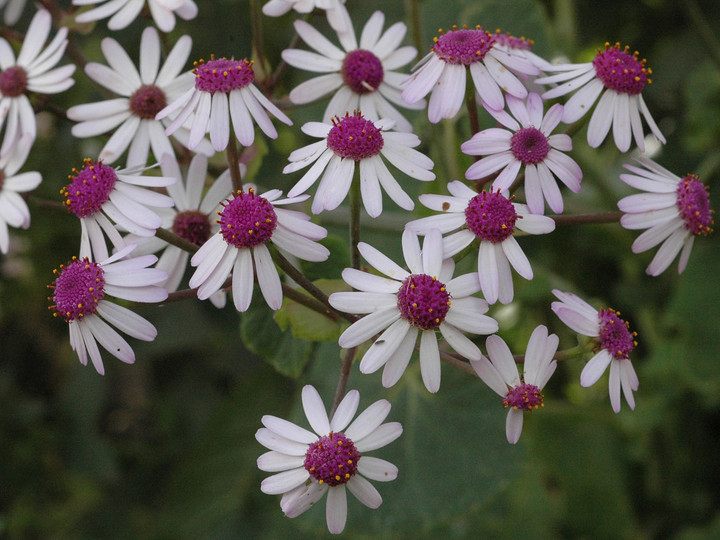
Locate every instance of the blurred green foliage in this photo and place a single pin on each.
(165, 448)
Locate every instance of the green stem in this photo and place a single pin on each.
(309, 302)
(472, 109)
(355, 197)
(413, 9)
(234, 162)
(348, 357)
(704, 30)
(583, 219)
(172, 238)
(257, 36)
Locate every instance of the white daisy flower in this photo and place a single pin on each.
(334, 9)
(528, 145)
(620, 77)
(674, 211)
(443, 72)
(491, 218)
(405, 304)
(356, 140)
(191, 218)
(81, 292)
(30, 72)
(308, 464)
(520, 393)
(99, 195)
(614, 339)
(247, 223)
(144, 94)
(123, 12)
(12, 10)
(363, 74)
(13, 208)
(223, 90)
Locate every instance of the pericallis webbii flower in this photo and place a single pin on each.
(674, 211)
(620, 77)
(354, 140)
(99, 195)
(14, 210)
(223, 90)
(308, 464)
(614, 340)
(31, 72)
(406, 304)
(363, 76)
(334, 9)
(125, 11)
(247, 222)
(145, 93)
(530, 146)
(520, 393)
(490, 217)
(443, 72)
(80, 296)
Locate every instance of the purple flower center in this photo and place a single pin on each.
(512, 42)
(615, 335)
(223, 75)
(362, 71)
(423, 301)
(79, 287)
(529, 145)
(193, 226)
(354, 137)
(693, 203)
(247, 220)
(13, 81)
(332, 459)
(147, 101)
(525, 397)
(463, 46)
(621, 71)
(89, 189)
(491, 216)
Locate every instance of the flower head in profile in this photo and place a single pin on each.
(123, 12)
(14, 211)
(674, 211)
(331, 459)
(614, 341)
(223, 91)
(81, 294)
(144, 94)
(520, 392)
(362, 75)
(443, 72)
(100, 195)
(526, 145)
(247, 223)
(334, 9)
(492, 218)
(32, 71)
(406, 305)
(353, 141)
(620, 78)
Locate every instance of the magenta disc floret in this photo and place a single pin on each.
(332, 460)
(621, 71)
(147, 101)
(89, 189)
(223, 75)
(423, 301)
(79, 287)
(693, 203)
(464, 46)
(247, 220)
(354, 137)
(193, 226)
(529, 145)
(13, 82)
(615, 335)
(362, 71)
(491, 216)
(524, 397)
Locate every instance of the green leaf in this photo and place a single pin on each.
(338, 260)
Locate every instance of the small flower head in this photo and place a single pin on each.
(693, 203)
(222, 75)
(423, 301)
(524, 397)
(13, 81)
(621, 71)
(193, 226)
(332, 459)
(491, 216)
(464, 46)
(247, 220)
(147, 101)
(615, 335)
(362, 71)
(79, 287)
(89, 189)
(529, 145)
(354, 137)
